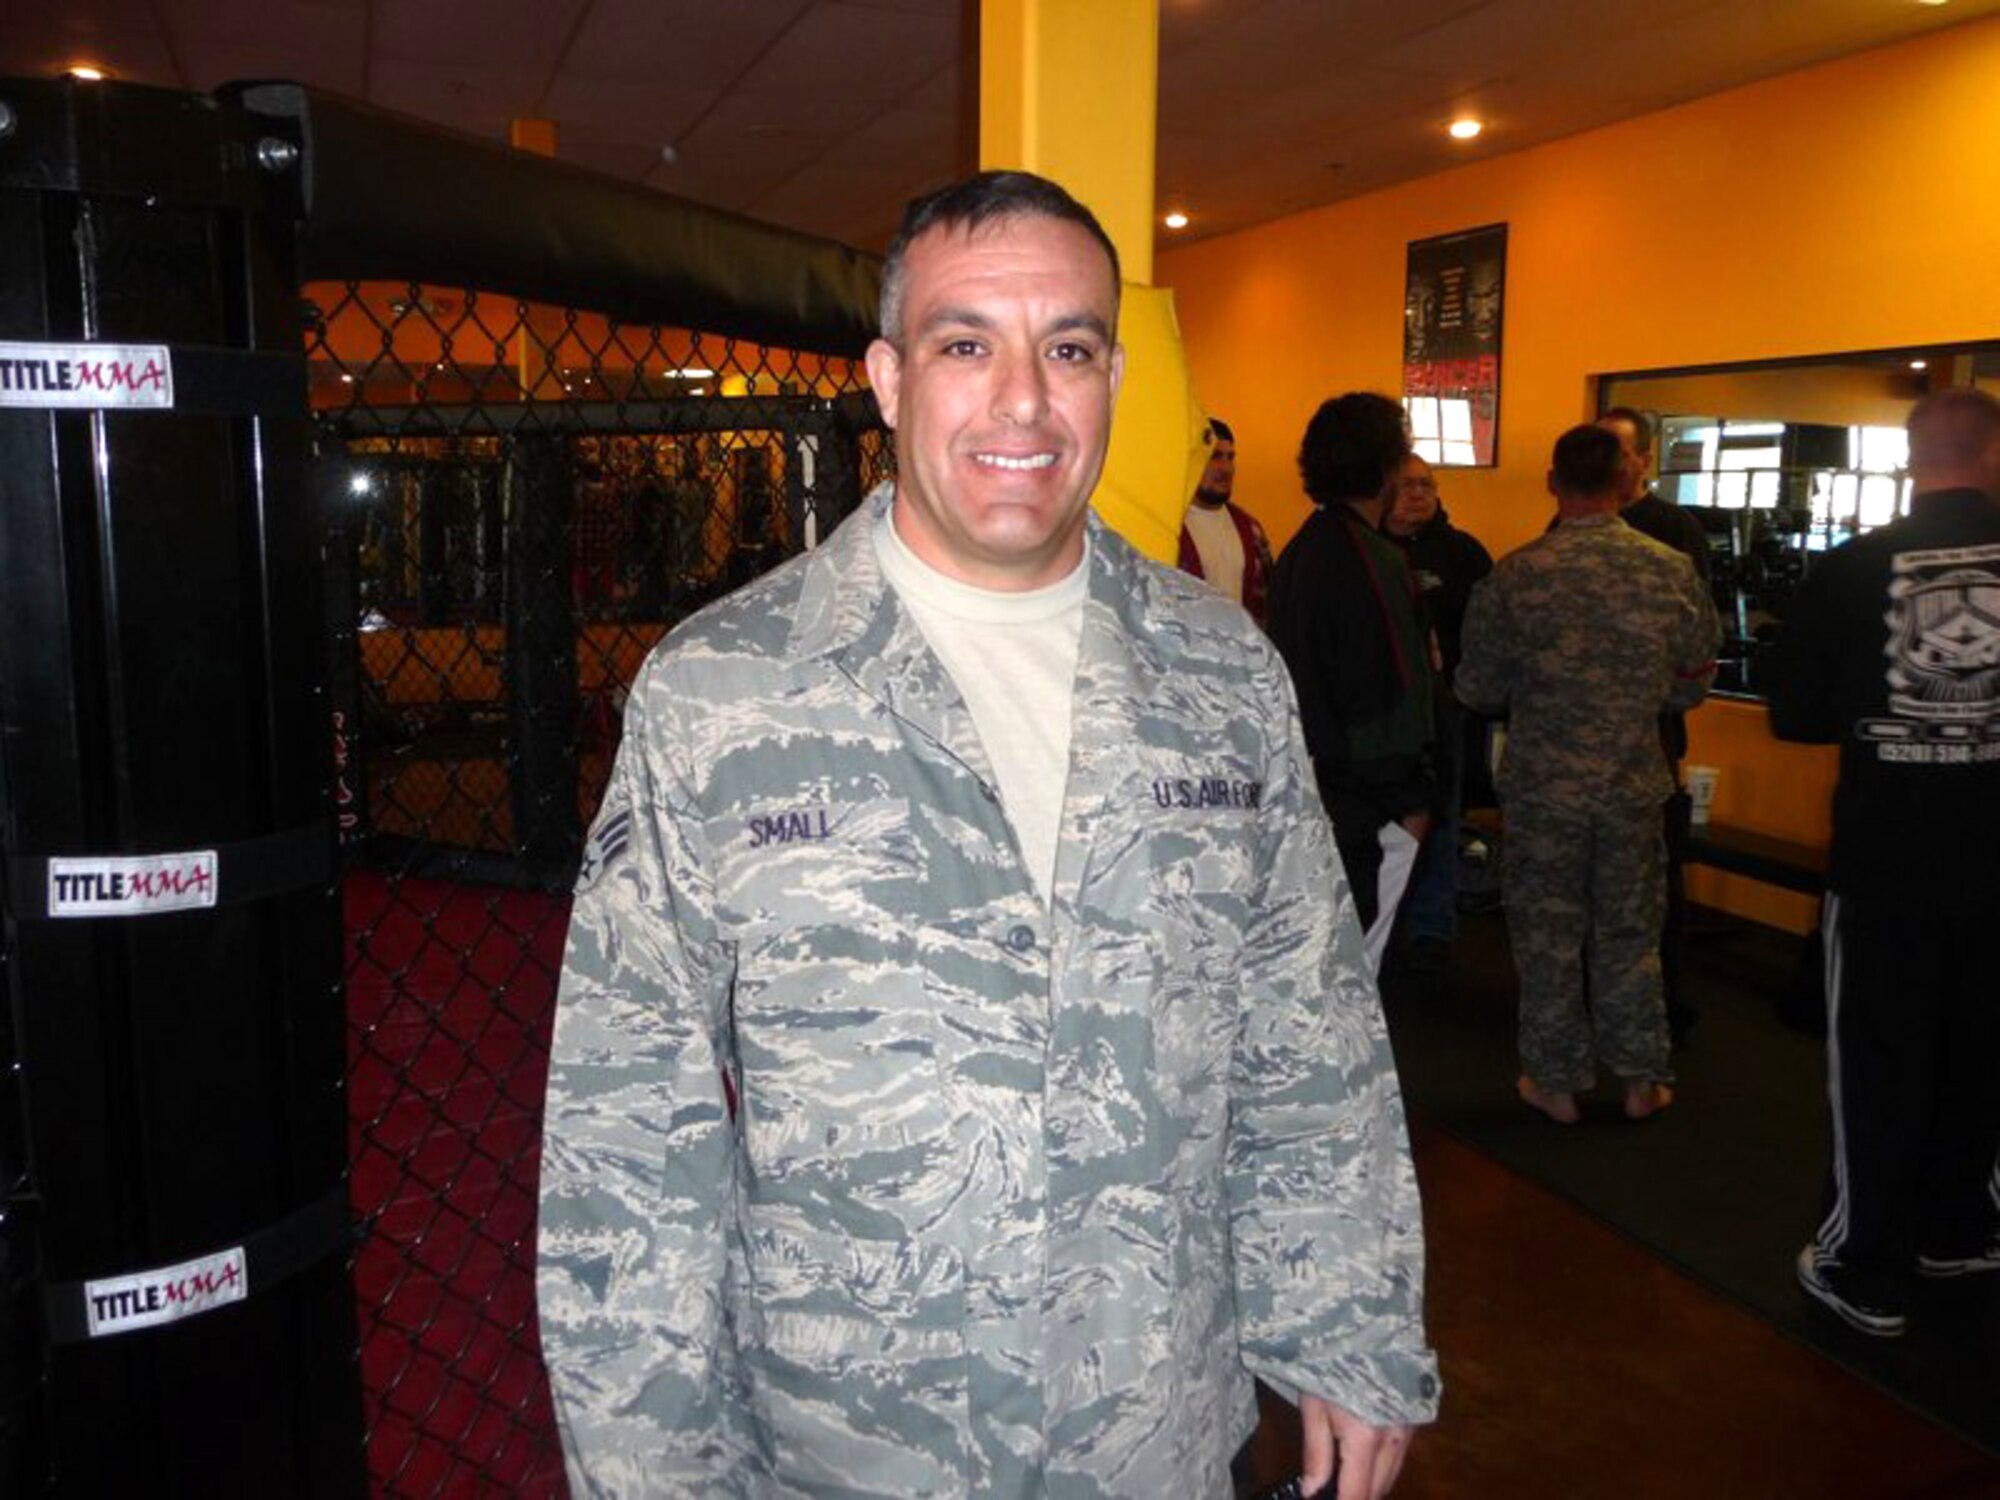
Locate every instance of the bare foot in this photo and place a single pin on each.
(1558, 1107)
(1644, 1097)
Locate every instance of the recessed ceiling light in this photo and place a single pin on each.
(1465, 130)
(1175, 220)
(1931, 2)
(87, 73)
(1920, 364)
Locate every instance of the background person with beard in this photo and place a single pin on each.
(1221, 543)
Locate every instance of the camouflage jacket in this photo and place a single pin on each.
(1584, 637)
(999, 1197)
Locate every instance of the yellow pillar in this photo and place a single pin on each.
(1070, 89)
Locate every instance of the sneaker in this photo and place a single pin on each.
(1987, 1259)
(1835, 1285)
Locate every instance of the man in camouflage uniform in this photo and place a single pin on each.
(912, 1132)
(1584, 637)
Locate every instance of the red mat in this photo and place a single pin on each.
(450, 999)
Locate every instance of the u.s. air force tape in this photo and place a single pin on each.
(57, 886)
(187, 378)
(132, 1300)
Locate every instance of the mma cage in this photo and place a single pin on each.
(348, 470)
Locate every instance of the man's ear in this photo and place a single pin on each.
(885, 374)
(1117, 372)
(1552, 481)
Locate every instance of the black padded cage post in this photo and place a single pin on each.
(176, 1316)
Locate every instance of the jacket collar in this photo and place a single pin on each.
(846, 607)
(850, 616)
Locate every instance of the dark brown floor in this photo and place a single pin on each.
(1578, 1365)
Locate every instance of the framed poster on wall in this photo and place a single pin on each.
(1454, 289)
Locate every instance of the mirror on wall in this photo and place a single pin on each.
(1784, 459)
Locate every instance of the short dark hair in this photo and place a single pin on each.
(1640, 423)
(1587, 461)
(971, 202)
(1953, 427)
(1353, 446)
(1219, 431)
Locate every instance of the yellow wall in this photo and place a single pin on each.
(1850, 206)
(1765, 786)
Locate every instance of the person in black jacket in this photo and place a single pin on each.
(1892, 651)
(1346, 616)
(1446, 563)
(1641, 508)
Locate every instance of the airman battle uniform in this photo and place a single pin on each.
(871, 1172)
(1585, 636)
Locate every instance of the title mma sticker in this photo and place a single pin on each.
(131, 885)
(85, 375)
(119, 1304)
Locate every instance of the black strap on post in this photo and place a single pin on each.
(124, 1302)
(57, 887)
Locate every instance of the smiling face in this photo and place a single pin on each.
(1000, 388)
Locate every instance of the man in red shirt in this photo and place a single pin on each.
(1221, 543)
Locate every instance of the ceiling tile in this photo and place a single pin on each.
(827, 114)
(677, 44)
(475, 35)
(874, 54)
(40, 41)
(602, 108)
(474, 99)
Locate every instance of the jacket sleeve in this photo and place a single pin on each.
(638, 1151)
(1695, 648)
(1693, 544)
(1326, 1227)
(1484, 681)
(1803, 670)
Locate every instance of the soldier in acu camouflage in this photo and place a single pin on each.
(1584, 637)
(907, 1137)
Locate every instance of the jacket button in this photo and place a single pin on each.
(1021, 939)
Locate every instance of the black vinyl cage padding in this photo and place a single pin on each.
(391, 197)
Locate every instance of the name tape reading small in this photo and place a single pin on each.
(119, 1304)
(85, 375)
(131, 885)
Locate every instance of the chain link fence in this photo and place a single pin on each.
(526, 499)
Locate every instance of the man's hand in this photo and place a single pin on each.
(1417, 825)
(1370, 1457)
